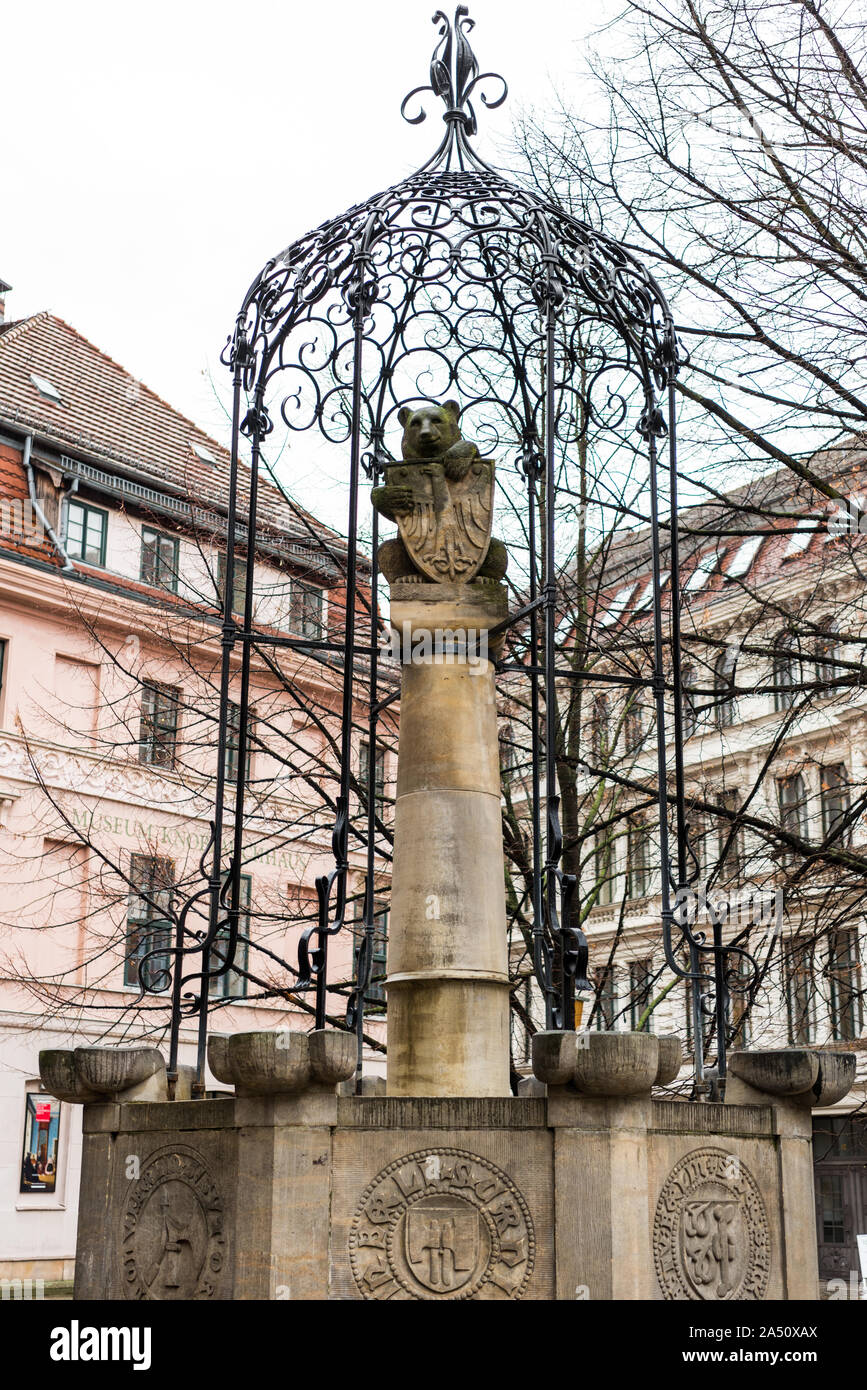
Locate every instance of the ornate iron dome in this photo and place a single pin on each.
(455, 280)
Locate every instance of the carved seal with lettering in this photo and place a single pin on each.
(711, 1240)
(442, 1224)
(173, 1244)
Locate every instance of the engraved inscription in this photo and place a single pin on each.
(442, 1223)
(711, 1240)
(173, 1244)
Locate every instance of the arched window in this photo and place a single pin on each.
(725, 705)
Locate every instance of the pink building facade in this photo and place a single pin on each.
(112, 528)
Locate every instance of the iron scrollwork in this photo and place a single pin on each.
(454, 281)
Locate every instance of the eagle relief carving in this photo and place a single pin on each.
(441, 494)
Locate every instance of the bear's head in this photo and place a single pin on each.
(430, 430)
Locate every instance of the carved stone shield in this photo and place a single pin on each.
(714, 1246)
(442, 1243)
(448, 531)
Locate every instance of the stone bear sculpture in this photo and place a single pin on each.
(433, 451)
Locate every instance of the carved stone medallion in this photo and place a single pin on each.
(711, 1239)
(442, 1223)
(172, 1241)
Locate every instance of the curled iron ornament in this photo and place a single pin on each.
(454, 74)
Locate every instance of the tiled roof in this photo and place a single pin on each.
(108, 415)
(753, 540)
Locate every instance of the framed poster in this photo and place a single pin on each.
(41, 1132)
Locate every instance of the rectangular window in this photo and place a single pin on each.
(835, 802)
(637, 851)
(41, 1135)
(378, 777)
(739, 1004)
(375, 995)
(687, 1010)
(793, 804)
(689, 701)
(640, 982)
(832, 1210)
(232, 984)
(599, 728)
(239, 581)
(697, 838)
(726, 706)
(305, 609)
(148, 923)
(86, 530)
(844, 974)
(159, 559)
(233, 730)
(606, 1001)
(827, 657)
(787, 674)
(634, 729)
(3, 645)
(507, 755)
(730, 846)
(799, 986)
(158, 733)
(603, 868)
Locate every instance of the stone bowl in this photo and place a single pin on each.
(836, 1077)
(553, 1057)
(270, 1061)
(59, 1076)
(218, 1056)
(333, 1055)
(786, 1071)
(282, 1061)
(112, 1070)
(670, 1059)
(616, 1064)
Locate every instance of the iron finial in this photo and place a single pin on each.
(454, 74)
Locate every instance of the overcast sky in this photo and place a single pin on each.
(153, 157)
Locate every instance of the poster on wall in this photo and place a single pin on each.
(41, 1131)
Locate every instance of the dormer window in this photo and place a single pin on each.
(86, 530)
(800, 538)
(702, 572)
(617, 605)
(47, 390)
(645, 598)
(305, 609)
(202, 453)
(743, 557)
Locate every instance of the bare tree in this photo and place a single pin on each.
(99, 911)
(729, 153)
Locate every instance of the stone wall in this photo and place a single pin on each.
(310, 1195)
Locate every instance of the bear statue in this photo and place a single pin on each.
(441, 495)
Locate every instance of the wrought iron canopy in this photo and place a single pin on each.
(458, 281)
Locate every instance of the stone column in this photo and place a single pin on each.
(447, 978)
